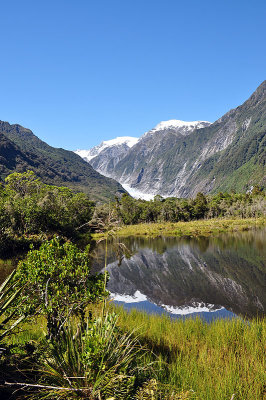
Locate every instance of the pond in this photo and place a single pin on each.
(213, 277)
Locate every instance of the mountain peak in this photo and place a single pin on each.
(181, 127)
(176, 123)
(125, 141)
(128, 140)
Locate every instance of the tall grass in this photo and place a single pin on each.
(192, 228)
(208, 361)
(29, 331)
(217, 361)
(98, 363)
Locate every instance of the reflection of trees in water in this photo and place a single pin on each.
(243, 243)
(253, 238)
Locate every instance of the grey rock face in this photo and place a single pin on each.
(108, 158)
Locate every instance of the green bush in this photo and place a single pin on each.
(100, 363)
(28, 206)
(59, 283)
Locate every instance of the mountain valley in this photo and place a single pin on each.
(178, 158)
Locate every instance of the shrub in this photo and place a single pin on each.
(59, 283)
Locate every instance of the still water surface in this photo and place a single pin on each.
(212, 277)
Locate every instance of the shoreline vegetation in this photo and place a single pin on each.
(213, 360)
(182, 229)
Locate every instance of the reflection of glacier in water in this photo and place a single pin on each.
(139, 301)
(211, 277)
(126, 298)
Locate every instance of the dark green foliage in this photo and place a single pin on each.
(200, 206)
(28, 206)
(131, 211)
(59, 283)
(21, 150)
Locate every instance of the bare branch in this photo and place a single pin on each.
(41, 386)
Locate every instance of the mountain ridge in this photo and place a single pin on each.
(21, 150)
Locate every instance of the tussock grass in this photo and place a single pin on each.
(192, 228)
(211, 361)
(216, 360)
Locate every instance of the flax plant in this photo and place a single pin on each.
(9, 295)
(97, 364)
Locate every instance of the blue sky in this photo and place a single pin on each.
(78, 72)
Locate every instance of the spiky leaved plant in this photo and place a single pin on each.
(99, 363)
(9, 294)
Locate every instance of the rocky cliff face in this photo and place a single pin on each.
(179, 158)
(104, 157)
(151, 166)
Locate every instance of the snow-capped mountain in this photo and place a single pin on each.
(180, 158)
(105, 157)
(183, 127)
(122, 141)
(109, 153)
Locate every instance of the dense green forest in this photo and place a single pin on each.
(131, 211)
(30, 209)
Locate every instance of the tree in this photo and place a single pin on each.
(28, 206)
(129, 210)
(200, 205)
(23, 183)
(59, 284)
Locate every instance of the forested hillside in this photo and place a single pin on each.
(21, 150)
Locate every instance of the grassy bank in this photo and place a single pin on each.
(215, 361)
(209, 361)
(192, 228)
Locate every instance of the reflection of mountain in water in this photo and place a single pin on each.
(200, 274)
